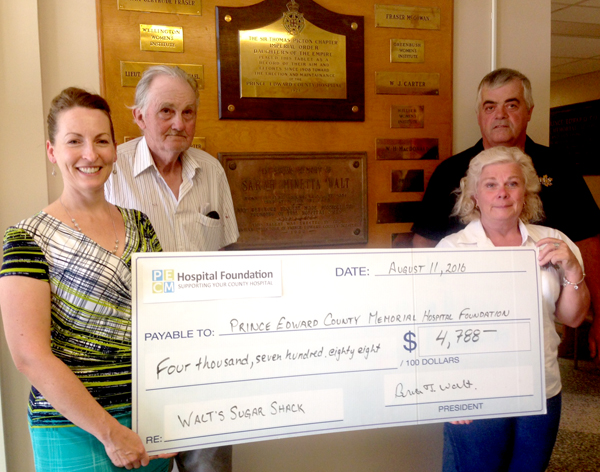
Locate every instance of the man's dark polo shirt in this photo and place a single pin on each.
(568, 204)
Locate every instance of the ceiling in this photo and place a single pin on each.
(575, 46)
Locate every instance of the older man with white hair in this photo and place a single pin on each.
(181, 189)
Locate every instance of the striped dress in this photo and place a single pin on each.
(90, 307)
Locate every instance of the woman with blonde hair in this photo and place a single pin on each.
(498, 200)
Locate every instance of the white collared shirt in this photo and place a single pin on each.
(180, 224)
(473, 235)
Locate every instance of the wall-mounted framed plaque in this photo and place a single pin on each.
(298, 200)
(290, 60)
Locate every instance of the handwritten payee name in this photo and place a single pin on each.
(235, 413)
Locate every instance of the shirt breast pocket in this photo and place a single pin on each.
(206, 233)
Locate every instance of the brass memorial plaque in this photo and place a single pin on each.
(180, 7)
(411, 180)
(407, 50)
(401, 16)
(404, 149)
(161, 38)
(407, 83)
(296, 200)
(131, 72)
(278, 64)
(290, 60)
(397, 212)
(199, 143)
(407, 116)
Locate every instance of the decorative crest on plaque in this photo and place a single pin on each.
(293, 20)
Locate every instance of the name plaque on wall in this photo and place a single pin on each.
(407, 50)
(407, 83)
(180, 7)
(401, 16)
(161, 38)
(407, 149)
(131, 72)
(407, 116)
(290, 60)
(298, 200)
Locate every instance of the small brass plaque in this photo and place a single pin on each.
(131, 72)
(295, 200)
(401, 16)
(310, 63)
(411, 180)
(407, 149)
(180, 7)
(407, 83)
(397, 212)
(407, 50)
(161, 38)
(407, 116)
(199, 143)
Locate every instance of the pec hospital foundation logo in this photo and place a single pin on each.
(163, 281)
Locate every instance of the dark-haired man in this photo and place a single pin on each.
(504, 108)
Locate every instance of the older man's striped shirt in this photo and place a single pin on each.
(181, 224)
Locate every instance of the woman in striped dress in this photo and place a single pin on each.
(65, 295)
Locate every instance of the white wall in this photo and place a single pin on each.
(32, 72)
(37, 60)
(523, 43)
(23, 187)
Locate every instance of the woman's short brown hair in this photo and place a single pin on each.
(75, 97)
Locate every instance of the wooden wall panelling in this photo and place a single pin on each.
(119, 41)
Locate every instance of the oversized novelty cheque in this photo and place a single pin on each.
(233, 347)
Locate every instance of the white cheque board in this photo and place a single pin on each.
(233, 347)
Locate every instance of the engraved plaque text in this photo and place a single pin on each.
(400, 149)
(294, 200)
(401, 16)
(161, 38)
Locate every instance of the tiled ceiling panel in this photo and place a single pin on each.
(575, 38)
